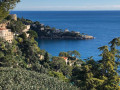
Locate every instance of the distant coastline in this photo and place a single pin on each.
(47, 32)
(102, 25)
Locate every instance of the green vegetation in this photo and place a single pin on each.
(63, 54)
(33, 34)
(5, 6)
(24, 66)
(102, 74)
(20, 79)
(23, 56)
(47, 32)
(16, 26)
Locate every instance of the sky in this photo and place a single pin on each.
(67, 5)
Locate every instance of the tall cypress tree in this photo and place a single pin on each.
(46, 57)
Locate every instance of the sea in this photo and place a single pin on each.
(103, 25)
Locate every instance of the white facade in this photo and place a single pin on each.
(42, 29)
(7, 35)
(27, 28)
(66, 30)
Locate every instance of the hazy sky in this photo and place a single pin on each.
(63, 5)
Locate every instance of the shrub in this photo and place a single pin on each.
(19, 79)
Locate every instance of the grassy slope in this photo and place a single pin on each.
(19, 79)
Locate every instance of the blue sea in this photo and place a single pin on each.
(103, 25)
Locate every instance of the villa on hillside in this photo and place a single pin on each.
(41, 57)
(6, 34)
(42, 29)
(69, 61)
(66, 59)
(26, 30)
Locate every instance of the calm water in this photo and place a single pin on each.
(104, 25)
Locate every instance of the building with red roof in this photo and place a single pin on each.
(66, 59)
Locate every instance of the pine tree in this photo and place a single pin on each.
(107, 70)
(5, 6)
(113, 44)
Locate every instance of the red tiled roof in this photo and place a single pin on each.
(64, 57)
(2, 28)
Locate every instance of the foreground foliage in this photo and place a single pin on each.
(19, 79)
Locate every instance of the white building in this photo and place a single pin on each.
(7, 35)
(66, 30)
(42, 28)
(66, 59)
(27, 28)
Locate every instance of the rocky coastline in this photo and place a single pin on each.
(47, 32)
(83, 37)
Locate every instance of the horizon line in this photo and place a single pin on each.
(64, 10)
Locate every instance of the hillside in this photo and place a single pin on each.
(19, 79)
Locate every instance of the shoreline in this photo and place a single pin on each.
(67, 38)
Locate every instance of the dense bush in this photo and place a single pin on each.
(19, 79)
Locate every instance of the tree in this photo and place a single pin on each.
(74, 53)
(67, 71)
(5, 6)
(33, 34)
(63, 54)
(58, 64)
(46, 60)
(85, 76)
(23, 36)
(42, 52)
(107, 70)
(10, 55)
(9, 17)
(113, 44)
(16, 26)
(29, 50)
(46, 57)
